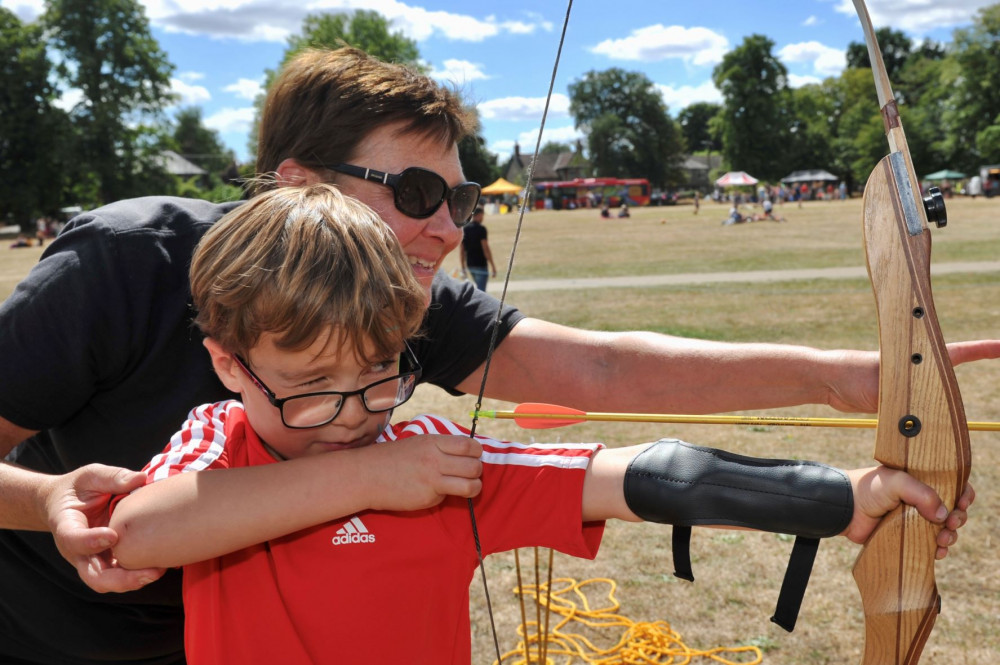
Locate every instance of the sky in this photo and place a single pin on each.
(501, 54)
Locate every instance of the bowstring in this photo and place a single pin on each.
(499, 317)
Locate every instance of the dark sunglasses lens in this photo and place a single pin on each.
(463, 203)
(420, 193)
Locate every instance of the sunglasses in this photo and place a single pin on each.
(418, 193)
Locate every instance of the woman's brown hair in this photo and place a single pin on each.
(325, 102)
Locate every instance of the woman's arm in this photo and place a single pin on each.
(651, 373)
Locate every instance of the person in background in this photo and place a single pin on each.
(474, 252)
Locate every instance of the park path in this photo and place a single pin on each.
(751, 276)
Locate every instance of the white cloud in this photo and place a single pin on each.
(189, 77)
(917, 16)
(189, 94)
(459, 72)
(685, 95)
(796, 81)
(526, 141)
(825, 61)
(699, 46)
(811, 21)
(524, 108)
(231, 120)
(503, 149)
(25, 10)
(275, 20)
(245, 88)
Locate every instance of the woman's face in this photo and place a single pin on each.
(425, 241)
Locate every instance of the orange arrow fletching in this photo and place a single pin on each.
(533, 415)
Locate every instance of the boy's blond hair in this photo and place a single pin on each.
(296, 261)
(325, 102)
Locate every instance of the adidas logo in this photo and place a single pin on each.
(353, 532)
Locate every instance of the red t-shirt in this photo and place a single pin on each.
(377, 587)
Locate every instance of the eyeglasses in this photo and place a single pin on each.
(317, 409)
(419, 193)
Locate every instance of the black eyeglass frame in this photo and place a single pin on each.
(392, 181)
(279, 402)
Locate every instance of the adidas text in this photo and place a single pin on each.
(347, 539)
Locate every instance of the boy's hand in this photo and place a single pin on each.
(420, 471)
(878, 490)
(77, 508)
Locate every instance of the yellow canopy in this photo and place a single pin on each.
(501, 186)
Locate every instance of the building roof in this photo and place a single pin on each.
(177, 165)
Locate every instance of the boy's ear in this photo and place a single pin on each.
(223, 363)
(293, 174)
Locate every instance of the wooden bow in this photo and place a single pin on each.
(921, 421)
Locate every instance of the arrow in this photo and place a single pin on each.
(534, 415)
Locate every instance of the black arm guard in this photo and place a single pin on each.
(673, 482)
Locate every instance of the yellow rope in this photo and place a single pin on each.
(639, 643)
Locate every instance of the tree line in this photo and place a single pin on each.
(948, 96)
(105, 143)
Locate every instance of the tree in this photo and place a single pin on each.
(555, 148)
(894, 45)
(696, 129)
(199, 144)
(109, 55)
(810, 144)
(975, 103)
(629, 132)
(926, 82)
(756, 108)
(859, 137)
(30, 127)
(366, 30)
(479, 164)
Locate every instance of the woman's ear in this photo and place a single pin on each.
(292, 174)
(224, 365)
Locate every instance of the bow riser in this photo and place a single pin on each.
(922, 427)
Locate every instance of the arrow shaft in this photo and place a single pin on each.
(765, 421)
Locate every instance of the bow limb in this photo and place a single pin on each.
(922, 427)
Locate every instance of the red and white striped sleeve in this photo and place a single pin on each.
(495, 451)
(198, 445)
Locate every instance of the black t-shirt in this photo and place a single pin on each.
(99, 353)
(473, 236)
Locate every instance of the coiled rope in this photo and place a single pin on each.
(634, 642)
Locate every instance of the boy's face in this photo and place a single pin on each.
(329, 363)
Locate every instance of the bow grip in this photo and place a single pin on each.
(922, 427)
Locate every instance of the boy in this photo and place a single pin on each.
(307, 301)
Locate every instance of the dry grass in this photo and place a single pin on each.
(738, 575)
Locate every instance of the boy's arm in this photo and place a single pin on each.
(199, 515)
(676, 483)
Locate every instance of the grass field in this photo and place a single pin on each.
(738, 574)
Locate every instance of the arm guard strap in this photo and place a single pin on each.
(673, 482)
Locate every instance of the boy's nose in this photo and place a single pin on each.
(352, 412)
